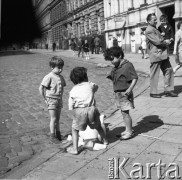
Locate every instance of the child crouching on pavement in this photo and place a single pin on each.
(82, 102)
(124, 78)
(51, 89)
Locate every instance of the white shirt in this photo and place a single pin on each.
(119, 41)
(82, 95)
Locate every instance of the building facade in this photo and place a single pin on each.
(125, 19)
(76, 18)
(42, 9)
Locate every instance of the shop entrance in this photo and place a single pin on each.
(169, 11)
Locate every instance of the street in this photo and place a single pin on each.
(24, 126)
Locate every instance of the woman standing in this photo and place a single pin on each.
(86, 49)
(73, 46)
(178, 47)
(143, 45)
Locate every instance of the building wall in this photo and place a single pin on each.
(76, 18)
(128, 18)
(42, 10)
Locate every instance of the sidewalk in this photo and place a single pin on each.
(99, 58)
(158, 127)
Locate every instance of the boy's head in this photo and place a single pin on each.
(114, 52)
(56, 61)
(79, 75)
(163, 19)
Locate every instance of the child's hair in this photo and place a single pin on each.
(163, 17)
(56, 61)
(117, 52)
(179, 24)
(79, 75)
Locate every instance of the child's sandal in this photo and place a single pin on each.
(127, 136)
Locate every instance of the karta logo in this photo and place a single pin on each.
(139, 171)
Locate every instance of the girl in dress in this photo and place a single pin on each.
(143, 45)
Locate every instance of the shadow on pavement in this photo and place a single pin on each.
(147, 124)
(178, 89)
(15, 52)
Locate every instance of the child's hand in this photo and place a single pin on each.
(167, 41)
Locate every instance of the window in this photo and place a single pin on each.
(99, 23)
(89, 22)
(118, 3)
(85, 27)
(109, 1)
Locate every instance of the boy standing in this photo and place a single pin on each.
(51, 89)
(124, 78)
(82, 102)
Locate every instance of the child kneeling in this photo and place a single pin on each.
(82, 102)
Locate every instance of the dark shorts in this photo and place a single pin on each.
(86, 116)
(124, 102)
(54, 104)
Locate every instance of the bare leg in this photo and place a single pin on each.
(142, 50)
(57, 128)
(53, 115)
(74, 149)
(102, 134)
(176, 68)
(57, 120)
(127, 121)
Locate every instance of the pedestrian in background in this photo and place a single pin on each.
(124, 78)
(110, 43)
(115, 42)
(92, 44)
(54, 46)
(80, 47)
(97, 44)
(46, 46)
(143, 45)
(82, 102)
(51, 89)
(86, 49)
(119, 40)
(178, 47)
(159, 59)
(73, 46)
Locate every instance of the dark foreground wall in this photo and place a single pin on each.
(18, 22)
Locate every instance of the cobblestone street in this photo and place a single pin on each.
(24, 119)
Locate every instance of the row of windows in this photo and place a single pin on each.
(118, 6)
(62, 31)
(66, 6)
